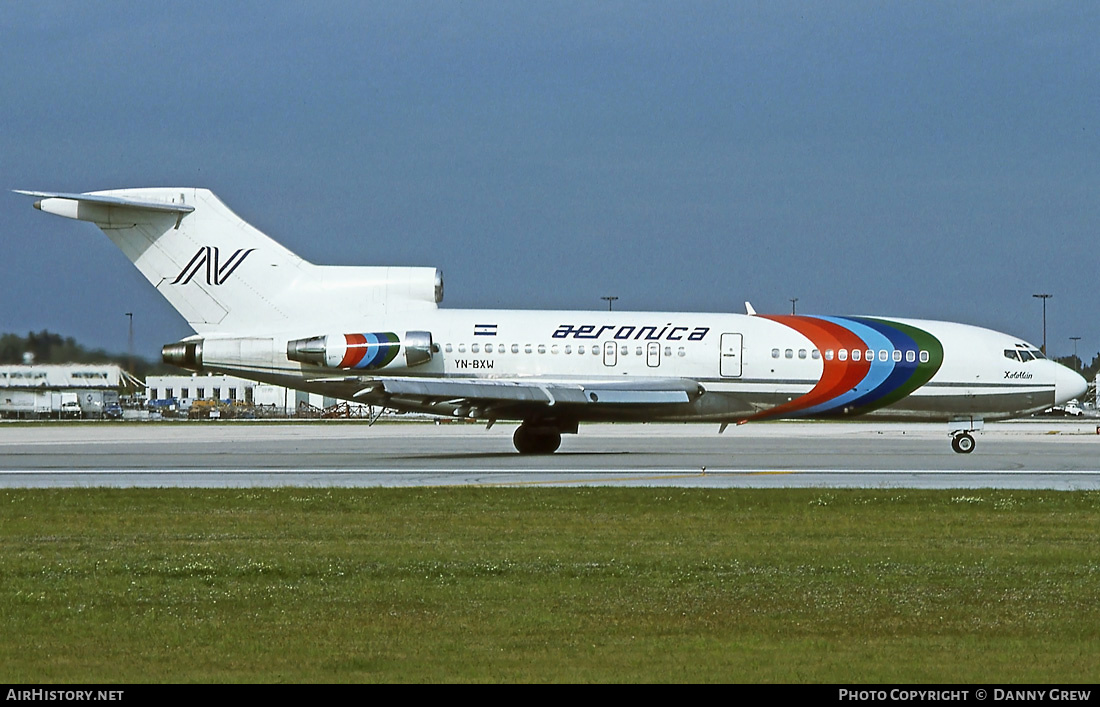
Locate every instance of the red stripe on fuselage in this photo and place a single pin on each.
(837, 377)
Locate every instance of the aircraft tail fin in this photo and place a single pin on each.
(223, 275)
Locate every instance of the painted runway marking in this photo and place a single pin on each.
(664, 473)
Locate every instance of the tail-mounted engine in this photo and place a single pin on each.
(369, 351)
(185, 354)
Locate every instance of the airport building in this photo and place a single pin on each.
(60, 391)
(221, 396)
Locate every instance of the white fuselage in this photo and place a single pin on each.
(750, 366)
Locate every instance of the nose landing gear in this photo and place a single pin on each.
(962, 442)
(962, 439)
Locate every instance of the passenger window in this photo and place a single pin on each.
(883, 355)
(924, 357)
(856, 354)
(815, 354)
(527, 348)
(802, 353)
(668, 351)
(638, 352)
(515, 348)
(568, 349)
(580, 349)
(829, 354)
(542, 348)
(462, 348)
(870, 355)
(842, 354)
(680, 352)
(789, 353)
(775, 353)
(447, 348)
(475, 348)
(910, 356)
(896, 356)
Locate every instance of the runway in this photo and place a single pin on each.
(1052, 454)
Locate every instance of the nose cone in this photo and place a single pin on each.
(1067, 385)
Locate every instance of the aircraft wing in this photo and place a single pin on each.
(659, 391)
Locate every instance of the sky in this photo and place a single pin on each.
(934, 160)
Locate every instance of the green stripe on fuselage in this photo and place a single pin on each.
(921, 375)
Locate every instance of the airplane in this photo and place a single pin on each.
(377, 335)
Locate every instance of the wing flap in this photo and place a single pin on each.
(668, 391)
(464, 390)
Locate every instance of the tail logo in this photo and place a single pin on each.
(216, 272)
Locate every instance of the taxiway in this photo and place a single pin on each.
(1047, 454)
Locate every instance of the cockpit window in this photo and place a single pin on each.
(1025, 355)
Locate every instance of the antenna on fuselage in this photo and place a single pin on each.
(749, 310)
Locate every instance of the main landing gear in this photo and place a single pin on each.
(542, 436)
(536, 440)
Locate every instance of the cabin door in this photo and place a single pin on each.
(730, 365)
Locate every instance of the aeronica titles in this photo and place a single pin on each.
(668, 332)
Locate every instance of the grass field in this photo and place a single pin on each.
(543, 585)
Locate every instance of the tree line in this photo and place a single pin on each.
(46, 347)
(1075, 363)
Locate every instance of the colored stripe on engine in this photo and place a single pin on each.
(370, 350)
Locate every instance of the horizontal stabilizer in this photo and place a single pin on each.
(105, 200)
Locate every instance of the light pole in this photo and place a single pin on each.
(1076, 360)
(130, 345)
(793, 300)
(609, 300)
(1044, 297)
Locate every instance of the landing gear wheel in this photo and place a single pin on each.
(536, 440)
(963, 443)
